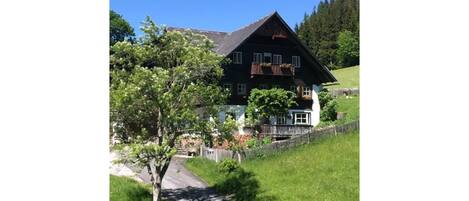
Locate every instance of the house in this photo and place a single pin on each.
(266, 54)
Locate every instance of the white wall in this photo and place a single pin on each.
(315, 115)
(238, 110)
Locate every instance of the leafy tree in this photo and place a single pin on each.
(263, 103)
(349, 48)
(119, 29)
(165, 89)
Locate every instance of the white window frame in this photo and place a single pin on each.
(306, 91)
(237, 57)
(267, 54)
(257, 57)
(277, 59)
(296, 61)
(305, 118)
(282, 120)
(241, 89)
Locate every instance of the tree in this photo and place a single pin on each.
(348, 53)
(320, 30)
(164, 93)
(263, 103)
(119, 29)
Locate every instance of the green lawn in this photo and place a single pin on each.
(327, 169)
(347, 77)
(127, 189)
(351, 106)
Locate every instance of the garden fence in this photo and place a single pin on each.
(220, 154)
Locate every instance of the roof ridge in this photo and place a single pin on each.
(199, 30)
(260, 19)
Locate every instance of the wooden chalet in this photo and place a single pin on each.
(267, 54)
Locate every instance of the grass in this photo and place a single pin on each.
(347, 77)
(327, 169)
(127, 189)
(351, 106)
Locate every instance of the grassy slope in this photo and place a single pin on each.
(127, 189)
(349, 105)
(347, 77)
(325, 170)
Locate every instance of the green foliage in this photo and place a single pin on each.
(227, 166)
(320, 29)
(266, 140)
(119, 29)
(263, 103)
(251, 143)
(127, 189)
(327, 169)
(161, 87)
(349, 48)
(328, 106)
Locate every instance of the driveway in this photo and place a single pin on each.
(180, 184)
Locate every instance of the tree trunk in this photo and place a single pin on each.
(157, 188)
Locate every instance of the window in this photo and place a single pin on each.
(267, 57)
(237, 57)
(241, 89)
(227, 86)
(306, 91)
(257, 58)
(301, 118)
(282, 119)
(295, 61)
(277, 59)
(293, 88)
(263, 86)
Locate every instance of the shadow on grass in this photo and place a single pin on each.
(242, 186)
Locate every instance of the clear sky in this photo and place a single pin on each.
(215, 15)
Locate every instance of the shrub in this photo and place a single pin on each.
(328, 106)
(228, 166)
(266, 140)
(251, 143)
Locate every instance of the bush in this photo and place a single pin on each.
(266, 140)
(251, 143)
(228, 166)
(328, 106)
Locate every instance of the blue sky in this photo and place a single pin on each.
(216, 15)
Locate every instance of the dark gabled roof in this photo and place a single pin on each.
(225, 43)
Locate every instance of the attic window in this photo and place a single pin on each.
(295, 61)
(237, 57)
(277, 59)
(257, 58)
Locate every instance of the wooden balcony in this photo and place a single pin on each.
(272, 69)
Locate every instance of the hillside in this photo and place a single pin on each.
(348, 77)
(325, 170)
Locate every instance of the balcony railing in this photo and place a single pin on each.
(285, 130)
(272, 69)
